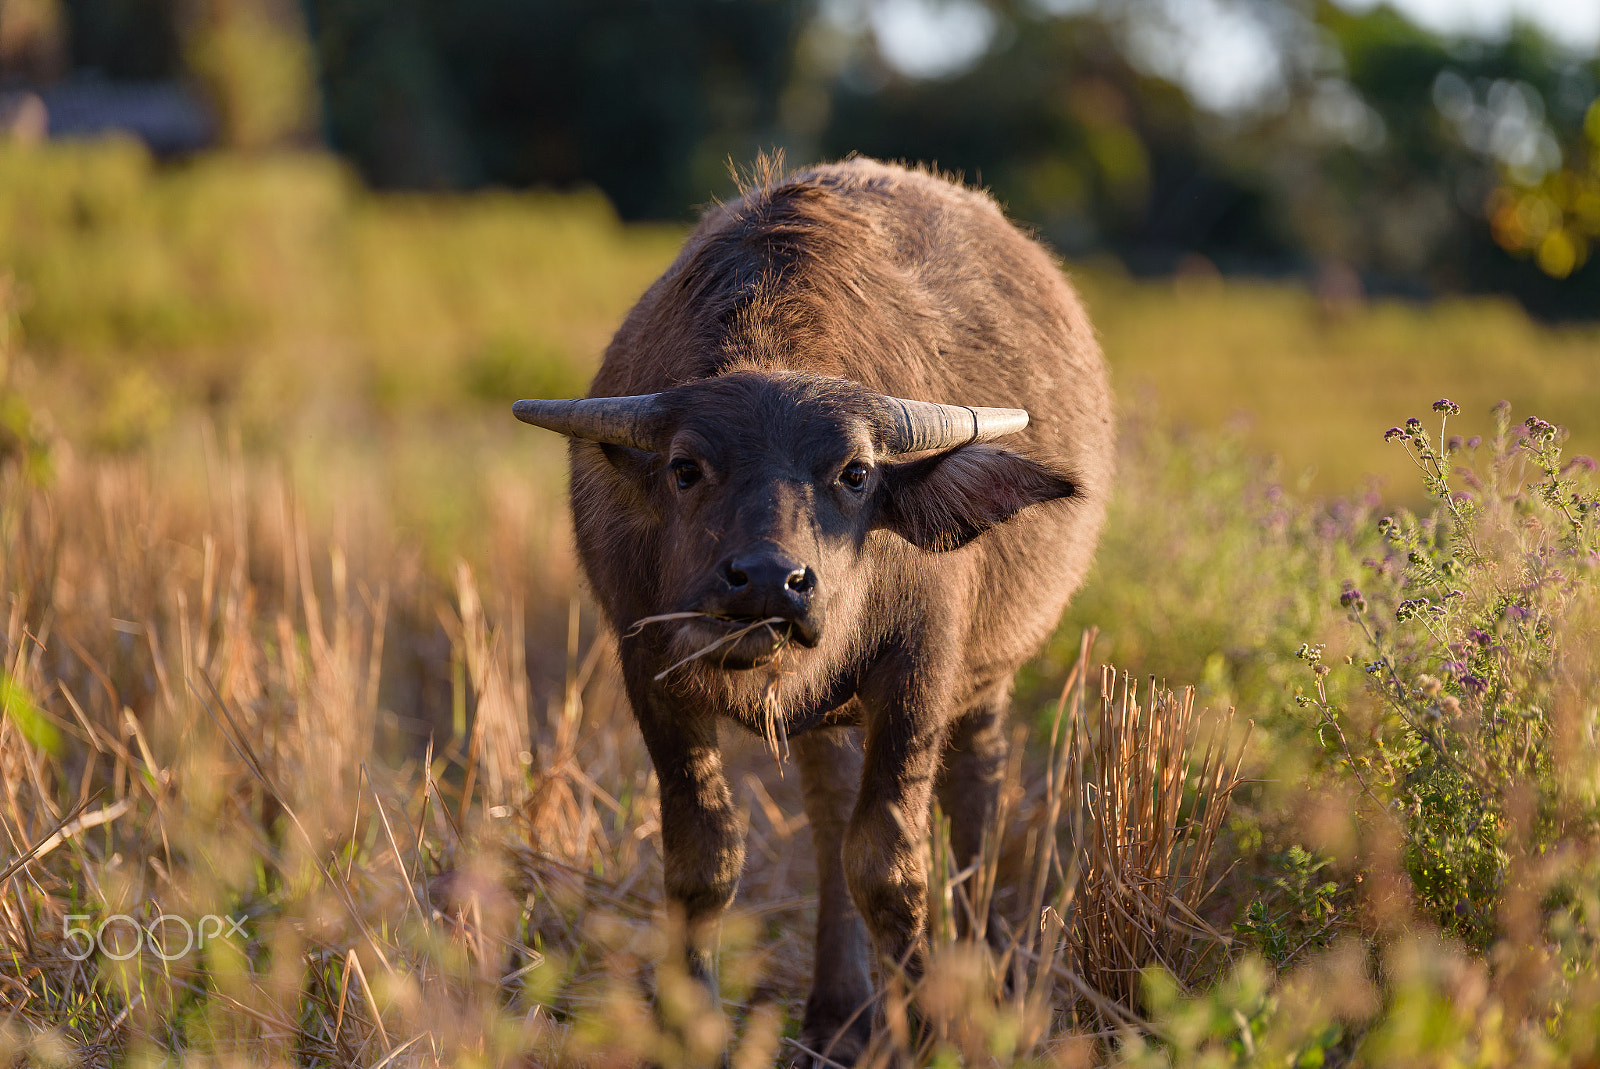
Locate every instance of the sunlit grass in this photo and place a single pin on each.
(1316, 384)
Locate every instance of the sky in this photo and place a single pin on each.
(1575, 23)
(1213, 47)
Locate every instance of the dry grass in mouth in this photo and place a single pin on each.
(729, 638)
(773, 732)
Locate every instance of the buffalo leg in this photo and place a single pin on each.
(884, 844)
(969, 793)
(838, 1021)
(702, 838)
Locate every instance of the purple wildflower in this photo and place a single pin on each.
(1410, 607)
(1444, 404)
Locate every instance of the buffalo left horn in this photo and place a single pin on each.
(612, 420)
(922, 425)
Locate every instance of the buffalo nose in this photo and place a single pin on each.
(769, 576)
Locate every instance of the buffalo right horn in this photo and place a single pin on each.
(612, 420)
(923, 425)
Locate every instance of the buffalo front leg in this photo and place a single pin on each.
(884, 846)
(702, 838)
(969, 793)
(838, 1017)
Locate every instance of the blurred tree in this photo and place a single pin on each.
(647, 100)
(1058, 122)
(124, 38)
(1374, 149)
(1554, 218)
(387, 100)
(1416, 160)
(1428, 159)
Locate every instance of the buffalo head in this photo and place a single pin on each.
(768, 485)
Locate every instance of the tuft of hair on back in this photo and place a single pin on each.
(765, 171)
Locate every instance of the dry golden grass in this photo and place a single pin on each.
(199, 722)
(1148, 819)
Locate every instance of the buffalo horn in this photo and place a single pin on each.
(923, 425)
(612, 420)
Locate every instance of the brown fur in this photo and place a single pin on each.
(785, 313)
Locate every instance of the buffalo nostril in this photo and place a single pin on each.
(800, 580)
(734, 576)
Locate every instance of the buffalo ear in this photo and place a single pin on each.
(624, 472)
(943, 502)
(636, 462)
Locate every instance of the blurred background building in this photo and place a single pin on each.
(1437, 147)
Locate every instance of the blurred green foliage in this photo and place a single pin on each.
(1298, 910)
(260, 287)
(275, 289)
(1218, 611)
(1465, 126)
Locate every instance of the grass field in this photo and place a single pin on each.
(268, 524)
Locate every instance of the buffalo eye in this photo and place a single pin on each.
(686, 471)
(854, 475)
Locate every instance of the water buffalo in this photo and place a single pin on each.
(786, 457)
